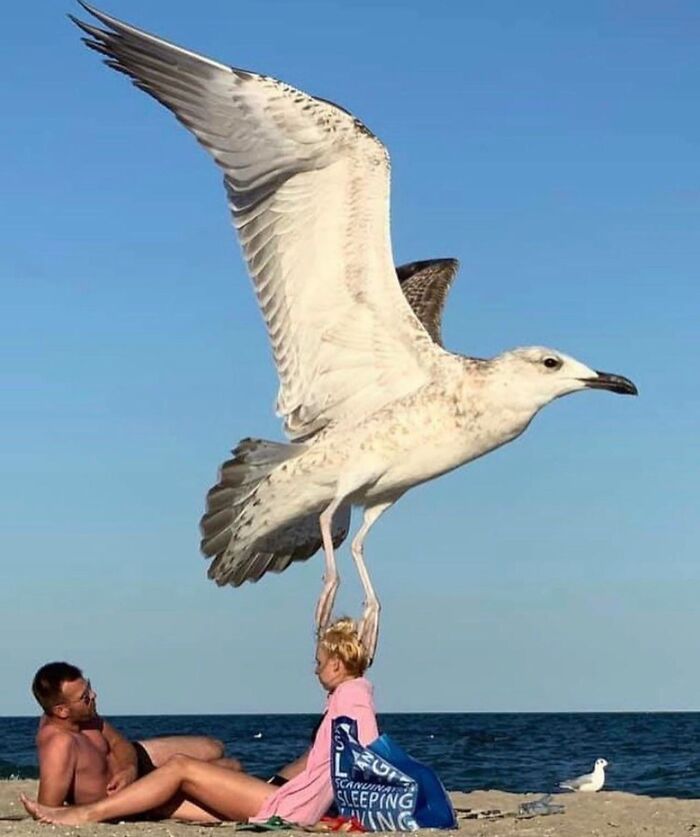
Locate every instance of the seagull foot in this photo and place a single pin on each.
(369, 631)
(324, 608)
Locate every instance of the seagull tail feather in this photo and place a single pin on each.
(238, 501)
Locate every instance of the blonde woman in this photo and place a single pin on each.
(186, 788)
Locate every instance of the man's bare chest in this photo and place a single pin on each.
(91, 750)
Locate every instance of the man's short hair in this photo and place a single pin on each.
(47, 683)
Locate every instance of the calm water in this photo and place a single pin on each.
(650, 753)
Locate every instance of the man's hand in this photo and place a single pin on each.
(121, 779)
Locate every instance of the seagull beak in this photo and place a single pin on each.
(614, 383)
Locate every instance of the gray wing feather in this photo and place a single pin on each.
(239, 479)
(575, 784)
(425, 285)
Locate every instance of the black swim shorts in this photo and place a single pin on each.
(144, 765)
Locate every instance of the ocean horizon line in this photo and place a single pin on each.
(314, 712)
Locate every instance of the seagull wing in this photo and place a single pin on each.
(308, 187)
(575, 784)
(425, 285)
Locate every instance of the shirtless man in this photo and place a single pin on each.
(82, 757)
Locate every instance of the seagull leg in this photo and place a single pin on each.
(369, 625)
(331, 579)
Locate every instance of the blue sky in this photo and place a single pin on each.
(552, 148)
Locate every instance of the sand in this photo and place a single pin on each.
(603, 813)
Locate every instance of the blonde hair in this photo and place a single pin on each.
(340, 639)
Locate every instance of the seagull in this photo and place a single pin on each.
(589, 782)
(371, 402)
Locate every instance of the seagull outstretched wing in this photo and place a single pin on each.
(308, 187)
(425, 285)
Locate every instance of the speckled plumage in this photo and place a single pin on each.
(425, 285)
(371, 401)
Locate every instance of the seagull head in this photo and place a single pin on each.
(545, 374)
(600, 764)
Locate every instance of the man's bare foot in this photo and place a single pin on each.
(66, 815)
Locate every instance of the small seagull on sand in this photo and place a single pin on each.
(589, 782)
(372, 403)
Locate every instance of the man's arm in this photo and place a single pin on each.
(57, 760)
(122, 756)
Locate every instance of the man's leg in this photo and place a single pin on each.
(196, 746)
(182, 809)
(225, 793)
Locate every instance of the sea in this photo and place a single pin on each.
(657, 754)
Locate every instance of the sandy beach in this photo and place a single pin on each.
(604, 813)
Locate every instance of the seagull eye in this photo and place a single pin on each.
(552, 362)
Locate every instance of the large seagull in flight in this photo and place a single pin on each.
(371, 402)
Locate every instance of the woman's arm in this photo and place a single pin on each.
(294, 768)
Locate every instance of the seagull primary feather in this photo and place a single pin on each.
(589, 782)
(372, 403)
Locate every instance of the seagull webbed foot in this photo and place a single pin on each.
(369, 630)
(324, 608)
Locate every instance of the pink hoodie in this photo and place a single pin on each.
(307, 797)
